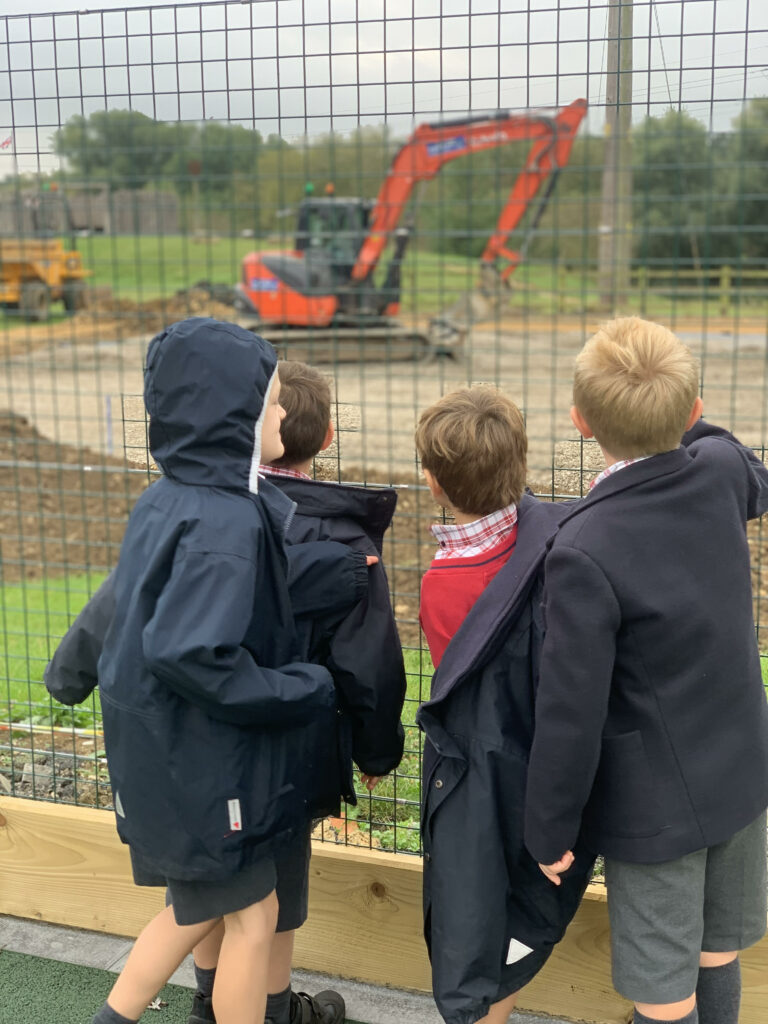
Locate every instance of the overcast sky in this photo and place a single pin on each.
(255, 63)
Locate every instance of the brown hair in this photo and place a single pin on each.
(305, 394)
(473, 442)
(635, 384)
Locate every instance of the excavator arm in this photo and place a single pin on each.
(433, 145)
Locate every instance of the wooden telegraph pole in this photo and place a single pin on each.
(615, 238)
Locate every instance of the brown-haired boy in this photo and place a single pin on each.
(491, 920)
(651, 734)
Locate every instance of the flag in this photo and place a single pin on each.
(6, 142)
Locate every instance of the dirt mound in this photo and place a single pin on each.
(109, 316)
(62, 509)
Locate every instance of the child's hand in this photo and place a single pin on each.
(553, 871)
(371, 559)
(370, 781)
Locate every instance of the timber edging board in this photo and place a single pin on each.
(66, 865)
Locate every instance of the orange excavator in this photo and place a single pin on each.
(322, 295)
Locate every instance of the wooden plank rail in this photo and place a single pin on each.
(65, 865)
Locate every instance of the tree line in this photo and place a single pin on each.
(697, 196)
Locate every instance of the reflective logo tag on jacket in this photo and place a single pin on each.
(235, 822)
(517, 950)
(119, 805)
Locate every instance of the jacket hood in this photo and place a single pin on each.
(206, 388)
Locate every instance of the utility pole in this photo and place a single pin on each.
(615, 239)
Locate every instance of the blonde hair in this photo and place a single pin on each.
(305, 394)
(473, 442)
(635, 384)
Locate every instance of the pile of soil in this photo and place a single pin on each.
(107, 316)
(62, 509)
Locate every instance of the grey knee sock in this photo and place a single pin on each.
(690, 1018)
(718, 993)
(106, 1015)
(205, 977)
(279, 1007)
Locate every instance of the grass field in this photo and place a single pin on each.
(144, 267)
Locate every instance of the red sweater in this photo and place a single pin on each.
(449, 589)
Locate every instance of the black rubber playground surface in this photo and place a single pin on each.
(34, 990)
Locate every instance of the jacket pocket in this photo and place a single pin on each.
(622, 801)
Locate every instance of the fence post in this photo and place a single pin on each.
(725, 290)
(561, 288)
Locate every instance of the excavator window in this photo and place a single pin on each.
(332, 230)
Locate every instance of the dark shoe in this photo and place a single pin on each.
(202, 1010)
(324, 1008)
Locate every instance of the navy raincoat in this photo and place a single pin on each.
(213, 726)
(360, 645)
(491, 918)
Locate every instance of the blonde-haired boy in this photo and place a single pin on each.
(491, 918)
(651, 739)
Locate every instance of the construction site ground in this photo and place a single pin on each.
(72, 397)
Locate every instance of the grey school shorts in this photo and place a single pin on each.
(663, 915)
(287, 872)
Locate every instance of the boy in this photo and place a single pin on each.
(490, 918)
(361, 649)
(211, 720)
(651, 719)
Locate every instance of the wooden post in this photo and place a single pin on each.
(614, 242)
(725, 290)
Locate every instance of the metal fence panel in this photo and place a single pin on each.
(149, 157)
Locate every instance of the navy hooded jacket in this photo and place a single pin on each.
(491, 918)
(360, 645)
(212, 723)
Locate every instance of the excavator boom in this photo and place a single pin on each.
(433, 145)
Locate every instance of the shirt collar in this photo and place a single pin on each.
(453, 536)
(280, 471)
(615, 467)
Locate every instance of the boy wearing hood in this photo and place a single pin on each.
(360, 647)
(213, 721)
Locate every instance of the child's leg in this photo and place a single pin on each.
(682, 1011)
(499, 1012)
(279, 978)
(718, 992)
(240, 992)
(206, 957)
(156, 954)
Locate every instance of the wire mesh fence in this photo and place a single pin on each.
(411, 194)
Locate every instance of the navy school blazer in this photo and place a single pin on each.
(651, 735)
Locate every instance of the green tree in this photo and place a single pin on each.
(673, 184)
(742, 156)
(123, 147)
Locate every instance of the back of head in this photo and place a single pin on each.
(473, 442)
(305, 394)
(635, 384)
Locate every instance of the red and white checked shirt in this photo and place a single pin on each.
(467, 540)
(280, 471)
(614, 468)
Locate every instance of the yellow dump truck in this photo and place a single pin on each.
(35, 272)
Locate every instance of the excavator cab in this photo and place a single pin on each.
(331, 231)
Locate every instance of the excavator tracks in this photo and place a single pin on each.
(344, 344)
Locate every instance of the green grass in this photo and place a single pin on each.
(35, 614)
(146, 267)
